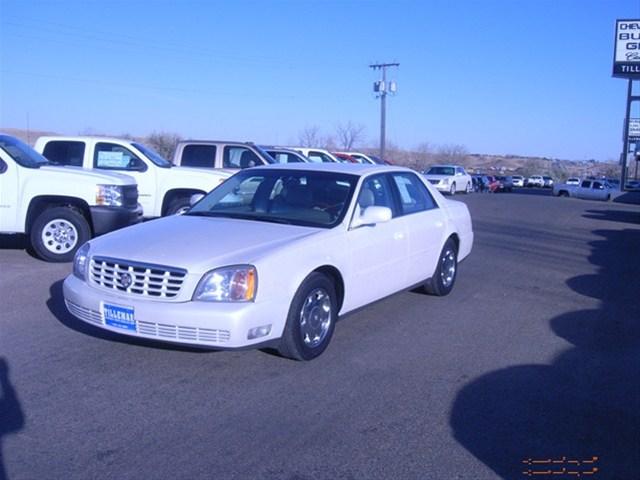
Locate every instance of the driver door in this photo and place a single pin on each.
(378, 253)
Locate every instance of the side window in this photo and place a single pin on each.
(240, 157)
(65, 153)
(198, 156)
(375, 191)
(110, 156)
(414, 196)
(585, 184)
(597, 186)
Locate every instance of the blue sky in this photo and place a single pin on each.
(506, 77)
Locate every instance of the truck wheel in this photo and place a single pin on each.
(311, 319)
(178, 206)
(57, 233)
(444, 277)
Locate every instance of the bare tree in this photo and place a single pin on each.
(349, 134)
(451, 153)
(164, 143)
(309, 136)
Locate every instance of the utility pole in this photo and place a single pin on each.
(382, 89)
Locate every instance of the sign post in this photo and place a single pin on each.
(626, 64)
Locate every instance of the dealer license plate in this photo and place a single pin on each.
(119, 317)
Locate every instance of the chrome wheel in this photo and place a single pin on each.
(452, 189)
(59, 236)
(315, 317)
(448, 267)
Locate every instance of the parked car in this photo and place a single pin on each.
(449, 178)
(344, 158)
(60, 208)
(493, 185)
(317, 155)
(573, 181)
(632, 185)
(163, 188)
(588, 189)
(220, 154)
(535, 181)
(518, 180)
(506, 183)
(548, 181)
(276, 267)
(284, 155)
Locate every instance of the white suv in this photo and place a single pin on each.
(535, 181)
(449, 178)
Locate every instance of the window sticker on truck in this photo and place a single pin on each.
(112, 160)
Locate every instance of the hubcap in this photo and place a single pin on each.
(448, 267)
(315, 317)
(59, 236)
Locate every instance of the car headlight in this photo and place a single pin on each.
(81, 262)
(109, 195)
(445, 181)
(228, 284)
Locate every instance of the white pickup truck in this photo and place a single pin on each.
(164, 189)
(60, 208)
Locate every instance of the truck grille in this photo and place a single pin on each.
(130, 196)
(137, 278)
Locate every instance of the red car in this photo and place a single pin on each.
(343, 157)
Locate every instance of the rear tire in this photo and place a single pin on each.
(311, 319)
(179, 206)
(469, 188)
(444, 277)
(57, 233)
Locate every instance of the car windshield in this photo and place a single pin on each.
(295, 197)
(441, 171)
(154, 156)
(22, 153)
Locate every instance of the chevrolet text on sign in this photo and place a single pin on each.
(626, 58)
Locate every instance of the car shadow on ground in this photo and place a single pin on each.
(622, 216)
(11, 414)
(56, 306)
(582, 407)
(541, 192)
(628, 197)
(13, 241)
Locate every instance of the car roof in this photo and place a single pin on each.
(352, 168)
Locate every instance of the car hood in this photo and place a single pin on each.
(198, 244)
(84, 175)
(431, 176)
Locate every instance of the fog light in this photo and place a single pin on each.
(258, 332)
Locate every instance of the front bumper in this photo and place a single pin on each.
(107, 219)
(208, 324)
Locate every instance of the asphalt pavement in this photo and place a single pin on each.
(534, 356)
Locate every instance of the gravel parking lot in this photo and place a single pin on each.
(535, 355)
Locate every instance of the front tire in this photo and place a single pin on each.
(311, 319)
(452, 189)
(57, 233)
(469, 188)
(444, 277)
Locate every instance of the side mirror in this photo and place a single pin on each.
(195, 198)
(371, 216)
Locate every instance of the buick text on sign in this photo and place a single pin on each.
(626, 59)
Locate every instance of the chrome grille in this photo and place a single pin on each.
(135, 278)
(176, 332)
(85, 314)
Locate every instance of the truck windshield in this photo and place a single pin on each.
(22, 153)
(154, 156)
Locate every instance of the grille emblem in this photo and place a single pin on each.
(125, 280)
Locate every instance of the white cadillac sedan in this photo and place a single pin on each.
(272, 257)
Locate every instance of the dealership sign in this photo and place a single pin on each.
(626, 57)
(634, 129)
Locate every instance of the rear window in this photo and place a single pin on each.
(199, 156)
(65, 152)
